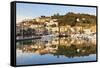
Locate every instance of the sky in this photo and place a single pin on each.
(29, 11)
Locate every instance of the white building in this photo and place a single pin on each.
(52, 26)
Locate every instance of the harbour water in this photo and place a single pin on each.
(55, 50)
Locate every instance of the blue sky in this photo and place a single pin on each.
(25, 10)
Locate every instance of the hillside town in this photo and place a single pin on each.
(48, 26)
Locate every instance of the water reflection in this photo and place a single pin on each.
(58, 47)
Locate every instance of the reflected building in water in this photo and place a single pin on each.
(69, 47)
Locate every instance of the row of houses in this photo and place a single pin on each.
(51, 26)
(40, 25)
